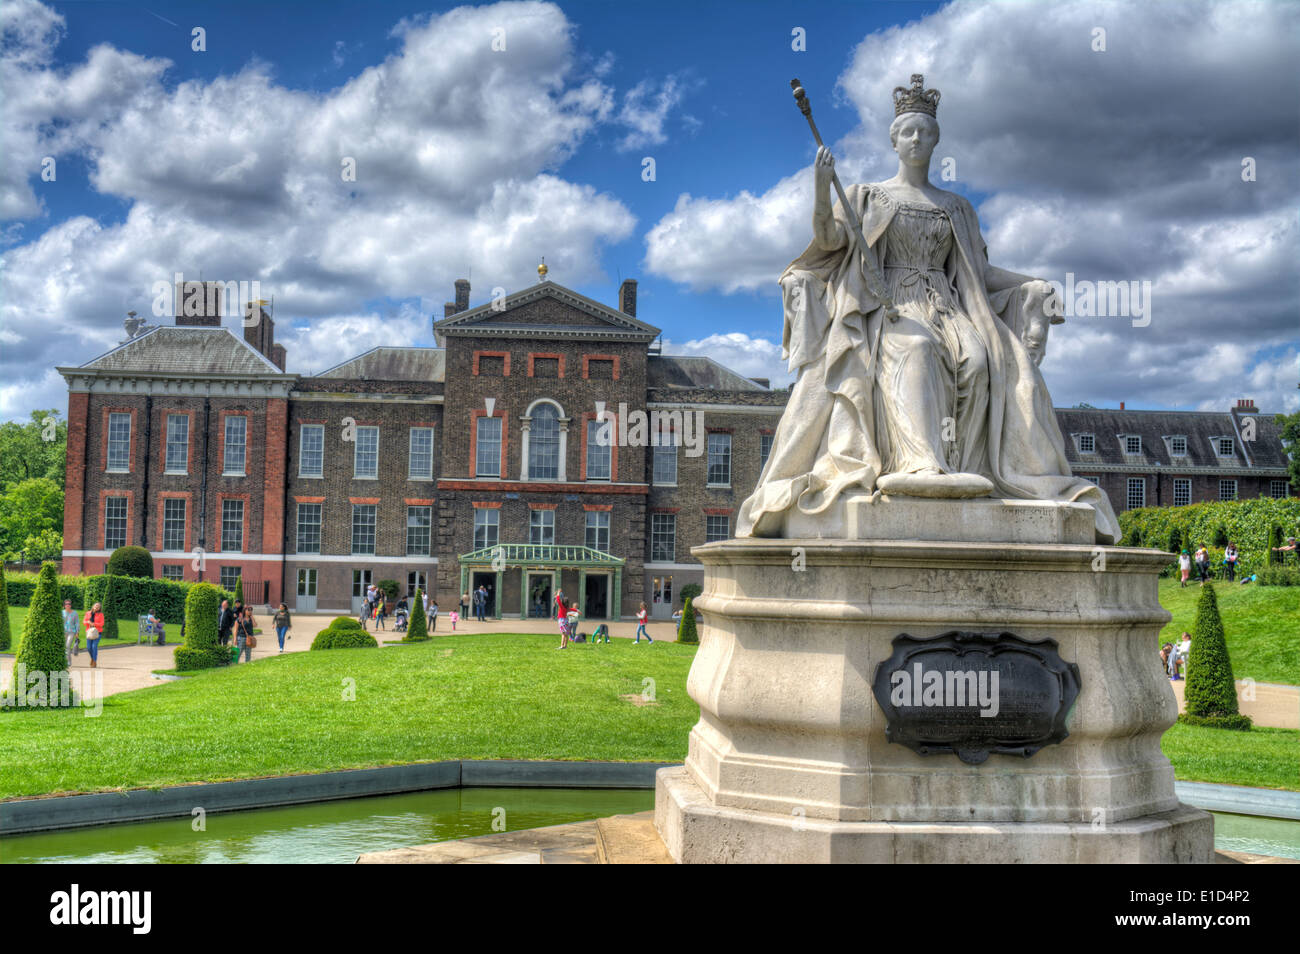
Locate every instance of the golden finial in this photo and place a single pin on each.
(542, 270)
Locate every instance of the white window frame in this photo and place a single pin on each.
(1091, 440)
(316, 429)
(118, 447)
(710, 534)
(125, 518)
(228, 502)
(1138, 484)
(172, 571)
(1224, 484)
(667, 450)
(241, 444)
(360, 510)
(228, 574)
(411, 472)
(487, 524)
(708, 459)
(541, 527)
(669, 520)
(765, 442)
(536, 465)
(1218, 447)
(596, 530)
(170, 467)
(1183, 484)
(168, 503)
(1173, 445)
(1132, 437)
(1279, 489)
(299, 524)
(482, 467)
(368, 430)
(412, 513)
(598, 452)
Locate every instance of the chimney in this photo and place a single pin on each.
(627, 297)
(259, 331)
(1121, 405)
(278, 356)
(198, 304)
(1247, 405)
(462, 294)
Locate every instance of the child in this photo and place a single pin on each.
(602, 631)
(1185, 566)
(563, 620)
(454, 616)
(573, 620)
(640, 626)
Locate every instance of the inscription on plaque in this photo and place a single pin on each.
(971, 694)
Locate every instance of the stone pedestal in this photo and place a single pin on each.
(790, 762)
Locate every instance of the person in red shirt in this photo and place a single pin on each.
(94, 628)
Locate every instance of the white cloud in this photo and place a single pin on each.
(645, 111)
(752, 357)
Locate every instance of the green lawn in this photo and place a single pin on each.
(489, 696)
(1261, 758)
(1262, 625)
(126, 627)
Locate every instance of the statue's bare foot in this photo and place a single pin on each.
(931, 483)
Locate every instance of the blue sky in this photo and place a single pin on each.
(1072, 156)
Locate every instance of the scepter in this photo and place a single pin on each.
(874, 278)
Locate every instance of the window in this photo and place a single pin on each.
(1279, 489)
(1178, 446)
(716, 527)
(598, 530)
(1224, 447)
(665, 466)
(1087, 443)
(178, 443)
(173, 572)
(311, 450)
(1132, 445)
(487, 527)
(492, 365)
(1227, 490)
(1137, 492)
(119, 442)
(663, 537)
(764, 450)
(487, 455)
(365, 458)
(173, 523)
(360, 580)
(600, 369)
(419, 524)
(309, 516)
(230, 576)
(416, 580)
(541, 526)
(232, 525)
(1091, 480)
(236, 445)
(544, 443)
(114, 522)
(420, 463)
(599, 438)
(719, 460)
(546, 367)
(363, 528)
(1182, 491)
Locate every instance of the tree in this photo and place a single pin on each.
(41, 665)
(239, 588)
(417, 630)
(130, 561)
(390, 589)
(690, 591)
(1290, 434)
(108, 605)
(6, 637)
(686, 632)
(27, 508)
(47, 545)
(200, 649)
(35, 449)
(1211, 689)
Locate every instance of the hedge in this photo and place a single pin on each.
(343, 638)
(1245, 522)
(6, 638)
(202, 611)
(133, 596)
(130, 561)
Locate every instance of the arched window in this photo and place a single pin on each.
(544, 443)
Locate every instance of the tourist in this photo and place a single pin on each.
(154, 627)
(1291, 547)
(601, 631)
(243, 632)
(482, 602)
(1185, 566)
(71, 642)
(1230, 561)
(641, 616)
(281, 623)
(563, 621)
(433, 616)
(94, 627)
(381, 611)
(454, 616)
(225, 624)
(464, 605)
(1203, 564)
(572, 614)
(559, 602)
(1165, 652)
(424, 603)
(1184, 650)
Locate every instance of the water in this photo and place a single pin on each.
(1259, 836)
(324, 832)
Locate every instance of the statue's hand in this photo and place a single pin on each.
(1037, 311)
(823, 170)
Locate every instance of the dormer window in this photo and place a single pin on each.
(1132, 444)
(1178, 445)
(1224, 447)
(1087, 443)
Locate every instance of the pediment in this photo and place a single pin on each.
(546, 310)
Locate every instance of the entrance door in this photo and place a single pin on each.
(306, 602)
(661, 598)
(488, 580)
(539, 595)
(595, 601)
(360, 580)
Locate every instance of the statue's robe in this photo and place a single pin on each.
(826, 441)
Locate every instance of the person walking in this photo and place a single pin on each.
(225, 623)
(1203, 564)
(381, 612)
(1230, 561)
(94, 626)
(1185, 566)
(454, 616)
(243, 632)
(433, 616)
(641, 616)
(282, 623)
(1184, 651)
(71, 625)
(464, 606)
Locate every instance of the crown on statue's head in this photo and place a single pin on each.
(914, 99)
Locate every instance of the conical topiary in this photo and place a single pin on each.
(239, 589)
(41, 665)
(108, 606)
(202, 613)
(1274, 541)
(1175, 540)
(1211, 691)
(417, 630)
(686, 632)
(6, 637)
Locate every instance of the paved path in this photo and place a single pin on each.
(1274, 705)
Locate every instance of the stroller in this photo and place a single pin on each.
(399, 618)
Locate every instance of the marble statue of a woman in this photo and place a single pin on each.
(940, 397)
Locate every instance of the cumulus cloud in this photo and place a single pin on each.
(1122, 164)
(645, 111)
(742, 353)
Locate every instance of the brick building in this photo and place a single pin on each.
(543, 444)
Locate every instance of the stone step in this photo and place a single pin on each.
(630, 840)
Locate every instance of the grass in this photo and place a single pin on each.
(1260, 758)
(472, 696)
(1261, 623)
(18, 616)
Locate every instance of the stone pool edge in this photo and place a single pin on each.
(26, 815)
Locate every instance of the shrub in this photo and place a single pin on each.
(42, 647)
(417, 630)
(689, 592)
(239, 588)
(390, 589)
(110, 607)
(1274, 542)
(345, 623)
(130, 561)
(6, 638)
(202, 611)
(1248, 523)
(1278, 576)
(331, 638)
(1175, 539)
(686, 632)
(1211, 690)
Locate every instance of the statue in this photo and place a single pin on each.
(917, 360)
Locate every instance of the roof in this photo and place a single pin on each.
(393, 364)
(695, 371)
(596, 320)
(1156, 430)
(184, 350)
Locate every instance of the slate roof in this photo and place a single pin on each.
(393, 364)
(682, 371)
(184, 350)
(1201, 429)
